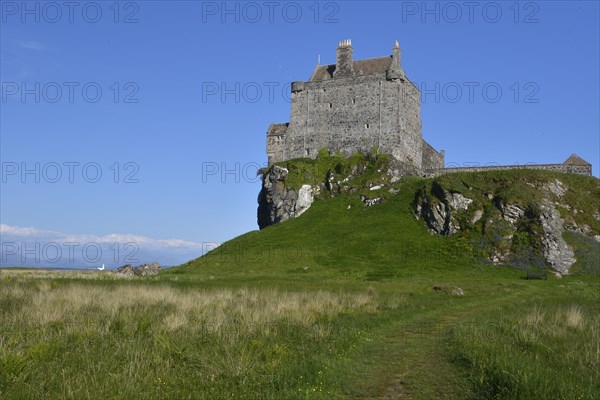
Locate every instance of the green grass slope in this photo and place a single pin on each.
(337, 240)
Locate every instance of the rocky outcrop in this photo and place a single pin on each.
(277, 202)
(287, 194)
(558, 253)
(435, 214)
(439, 211)
(515, 233)
(512, 213)
(141, 270)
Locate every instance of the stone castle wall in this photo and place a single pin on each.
(567, 168)
(431, 158)
(350, 114)
(275, 146)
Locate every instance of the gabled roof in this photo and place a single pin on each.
(574, 159)
(277, 129)
(367, 66)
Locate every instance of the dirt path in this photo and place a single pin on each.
(411, 356)
(413, 362)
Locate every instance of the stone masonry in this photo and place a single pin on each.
(355, 106)
(360, 105)
(572, 165)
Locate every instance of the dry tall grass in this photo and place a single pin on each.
(84, 306)
(144, 338)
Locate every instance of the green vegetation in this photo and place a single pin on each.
(364, 168)
(576, 197)
(337, 304)
(580, 193)
(548, 350)
(587, 253)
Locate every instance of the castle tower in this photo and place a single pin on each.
(355, 106)
(343, 59)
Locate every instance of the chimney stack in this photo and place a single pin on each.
(343, 59)
(396, 56)
(395, 71)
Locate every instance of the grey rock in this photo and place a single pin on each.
(477, 216)
(435, 215)
(573, 227)
(512, 213)
(141, 270)
(304, 200)
(278, 203)
(556, 187)
(557, 252)
(439, 213)
(457, 201)
(370, 202)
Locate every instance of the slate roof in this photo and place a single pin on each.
(367, 66)
(277, 129)
(574, 159)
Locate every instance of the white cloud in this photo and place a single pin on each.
(30, 246)
(32, 233)
(22, 231)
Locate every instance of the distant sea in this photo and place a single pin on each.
(66, 268)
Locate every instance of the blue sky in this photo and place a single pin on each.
(170, 102)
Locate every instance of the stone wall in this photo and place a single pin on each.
(431, 158)
(275, 148)
(355, 113)
(276, 142)
(567, 168)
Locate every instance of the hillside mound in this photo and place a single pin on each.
(360, 217)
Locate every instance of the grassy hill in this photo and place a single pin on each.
(344, 302)
(338, 239)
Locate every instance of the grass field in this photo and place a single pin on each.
(337, 304)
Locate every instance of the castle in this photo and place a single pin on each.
(362, 105)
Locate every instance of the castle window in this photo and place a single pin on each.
(353, 101)
(330, 105)
(307, 152)
(366, 126)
